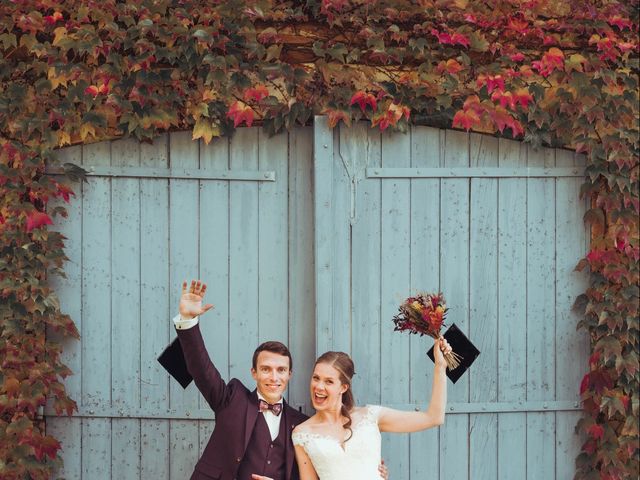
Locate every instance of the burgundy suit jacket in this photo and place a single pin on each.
(236, 409)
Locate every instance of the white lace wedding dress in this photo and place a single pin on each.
(357, 459)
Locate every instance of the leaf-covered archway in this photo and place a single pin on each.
(552, 73)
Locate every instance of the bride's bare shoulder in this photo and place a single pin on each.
(307, 426)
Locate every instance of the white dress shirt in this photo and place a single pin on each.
(273, 421)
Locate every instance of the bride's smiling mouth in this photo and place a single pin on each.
(319, 398)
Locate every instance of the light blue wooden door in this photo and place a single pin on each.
(496, 226)
(236, 213)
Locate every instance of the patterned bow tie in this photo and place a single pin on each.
(276, 408)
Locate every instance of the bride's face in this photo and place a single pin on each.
(326, 388)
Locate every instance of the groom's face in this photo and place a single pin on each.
(272, 374)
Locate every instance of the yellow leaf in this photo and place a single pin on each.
(576, 62)
(461, 4)
(206, 130)
(87, 129)
(63, 138)
(59, 34)
(209, 94)
(56, 79)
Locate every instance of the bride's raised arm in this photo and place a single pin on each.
(398, 421)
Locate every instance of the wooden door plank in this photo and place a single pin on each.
(302, 338)
(213, 216)
(483, 318)
(125, 310)
(454, 281)
(362, 142)
(512, 305)
(243, 257)
(541, 204)
(571, 345)
(424, 277)
(156, 325)
(273, 251)
(68, 430)
(323, 165)
(395, 287)
(96, 334)
(184, 265)
(340, 320)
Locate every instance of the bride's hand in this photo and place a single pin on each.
(441, 348)
(384, 472)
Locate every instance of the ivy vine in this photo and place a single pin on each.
(555, 73)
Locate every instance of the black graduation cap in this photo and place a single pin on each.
(461, 345)
(172, 359)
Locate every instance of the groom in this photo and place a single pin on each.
(252, 436)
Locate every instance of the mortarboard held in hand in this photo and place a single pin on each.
(463, 347)
(172, 359)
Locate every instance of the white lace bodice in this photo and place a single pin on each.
(358, 459)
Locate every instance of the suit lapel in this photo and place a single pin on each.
(252, 415)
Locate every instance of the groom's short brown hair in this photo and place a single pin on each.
(273, 347)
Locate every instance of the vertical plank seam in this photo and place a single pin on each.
(380, 246)
(80, 400)
(526, 310)
(469, 228)
(257, 138)
(288, 246)
(199, 184)
(168, 327)
(555, 312)
(139, 315)
(228, 320)
(497, 273)
(110, 420)
(410, 284)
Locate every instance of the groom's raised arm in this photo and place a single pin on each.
(205, 375)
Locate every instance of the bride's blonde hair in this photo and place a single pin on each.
(344, 365)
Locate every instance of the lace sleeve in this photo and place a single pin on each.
(373, 412)
(300, 438)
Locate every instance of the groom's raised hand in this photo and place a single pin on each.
(191, 300)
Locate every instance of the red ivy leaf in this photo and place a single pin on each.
(256, 93)
(240, 113)
(504, 98)
(553, 59)
(523, 97)
(466, 120)
(518, 25)
(450, 66)
(596, 432)
(363, 99)
(448, 39)
(336, 115)
(45, 446)
(64, 191)
(37, 219)
(53, 19)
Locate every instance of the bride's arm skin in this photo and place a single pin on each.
(404, 422)
(305, 467)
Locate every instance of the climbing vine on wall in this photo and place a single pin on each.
(556, 73)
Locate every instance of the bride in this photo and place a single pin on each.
(343, 438)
